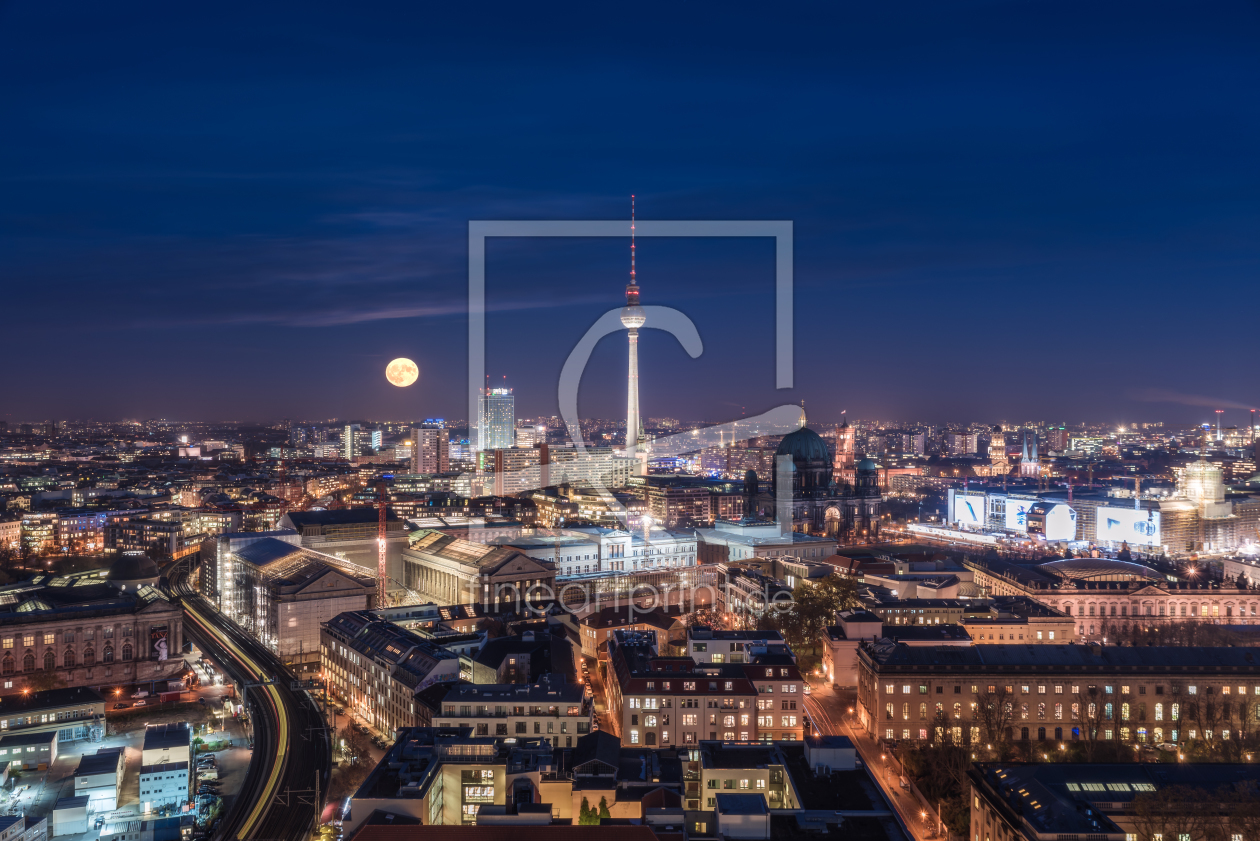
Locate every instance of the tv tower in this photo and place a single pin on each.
(632, 318)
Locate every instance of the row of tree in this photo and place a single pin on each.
(1210, 726)
(812, 609)
(1181, 811)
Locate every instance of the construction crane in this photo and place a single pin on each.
(383, 497)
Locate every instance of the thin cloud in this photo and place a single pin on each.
(1164, 395)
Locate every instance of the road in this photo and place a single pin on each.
(828, 710)
(291, 747)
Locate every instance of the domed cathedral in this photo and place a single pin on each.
(820, 504)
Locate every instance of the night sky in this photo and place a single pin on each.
(1003, 210)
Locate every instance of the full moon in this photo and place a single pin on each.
(402, 372)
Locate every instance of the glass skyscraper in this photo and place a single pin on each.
(496, 428)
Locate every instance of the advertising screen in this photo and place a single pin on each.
(1017, 513)
(969, 510)
(1060, 523)
(158, 638)
(1137, 527)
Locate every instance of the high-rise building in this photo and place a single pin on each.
(964, 443)
(431, 450)
(528, 436)
(350, 441)
(378, 439)
(496, 428)
(632, 318)
(1058, 438)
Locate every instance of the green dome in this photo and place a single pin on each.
(804, 445)
(867, 464)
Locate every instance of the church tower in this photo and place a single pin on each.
(1029, 463)
(998, 463)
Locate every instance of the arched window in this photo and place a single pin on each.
(7, 666)
(126, 651)
(50, 661)
(28, 662)
(107, 656)
(89, 657)
(68, 659)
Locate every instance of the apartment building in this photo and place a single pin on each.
(377, 668)
(552, 710)
(675, 701)
(717, 646)
(444, 776)
(1047, 692)
(598, 627)
(780, 698)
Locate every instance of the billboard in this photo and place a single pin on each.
(1137, 527)
(1053, 521)
(158, 640)
(969, 510)
(1017, 513)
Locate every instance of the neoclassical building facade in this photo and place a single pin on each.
(104, 628)
(1099, 593)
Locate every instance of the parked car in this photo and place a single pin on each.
(143, 693)
(140, 703)
(121, 706)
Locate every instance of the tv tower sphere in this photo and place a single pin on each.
(632, 316)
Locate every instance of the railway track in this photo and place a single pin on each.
(292, 756)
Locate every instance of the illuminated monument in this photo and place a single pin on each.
(633, 317)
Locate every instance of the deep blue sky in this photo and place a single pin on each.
(1015, 210)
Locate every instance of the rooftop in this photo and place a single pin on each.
(162, 736)
(742, 804)
(49, 699)
(103, 761)
(1066, 656)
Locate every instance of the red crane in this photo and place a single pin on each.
(383, 498)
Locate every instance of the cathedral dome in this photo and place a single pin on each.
(132, 571)
(804, 445)
(867, 464)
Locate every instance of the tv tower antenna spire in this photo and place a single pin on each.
(632, 318)
(633, 282)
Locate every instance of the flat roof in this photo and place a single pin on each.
(101, 762)
(742, 804)
(1070, 656)
(49, 698)
(167, 736)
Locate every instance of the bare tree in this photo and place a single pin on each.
(995, 710)
(1088, 716)
(1205, 712)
